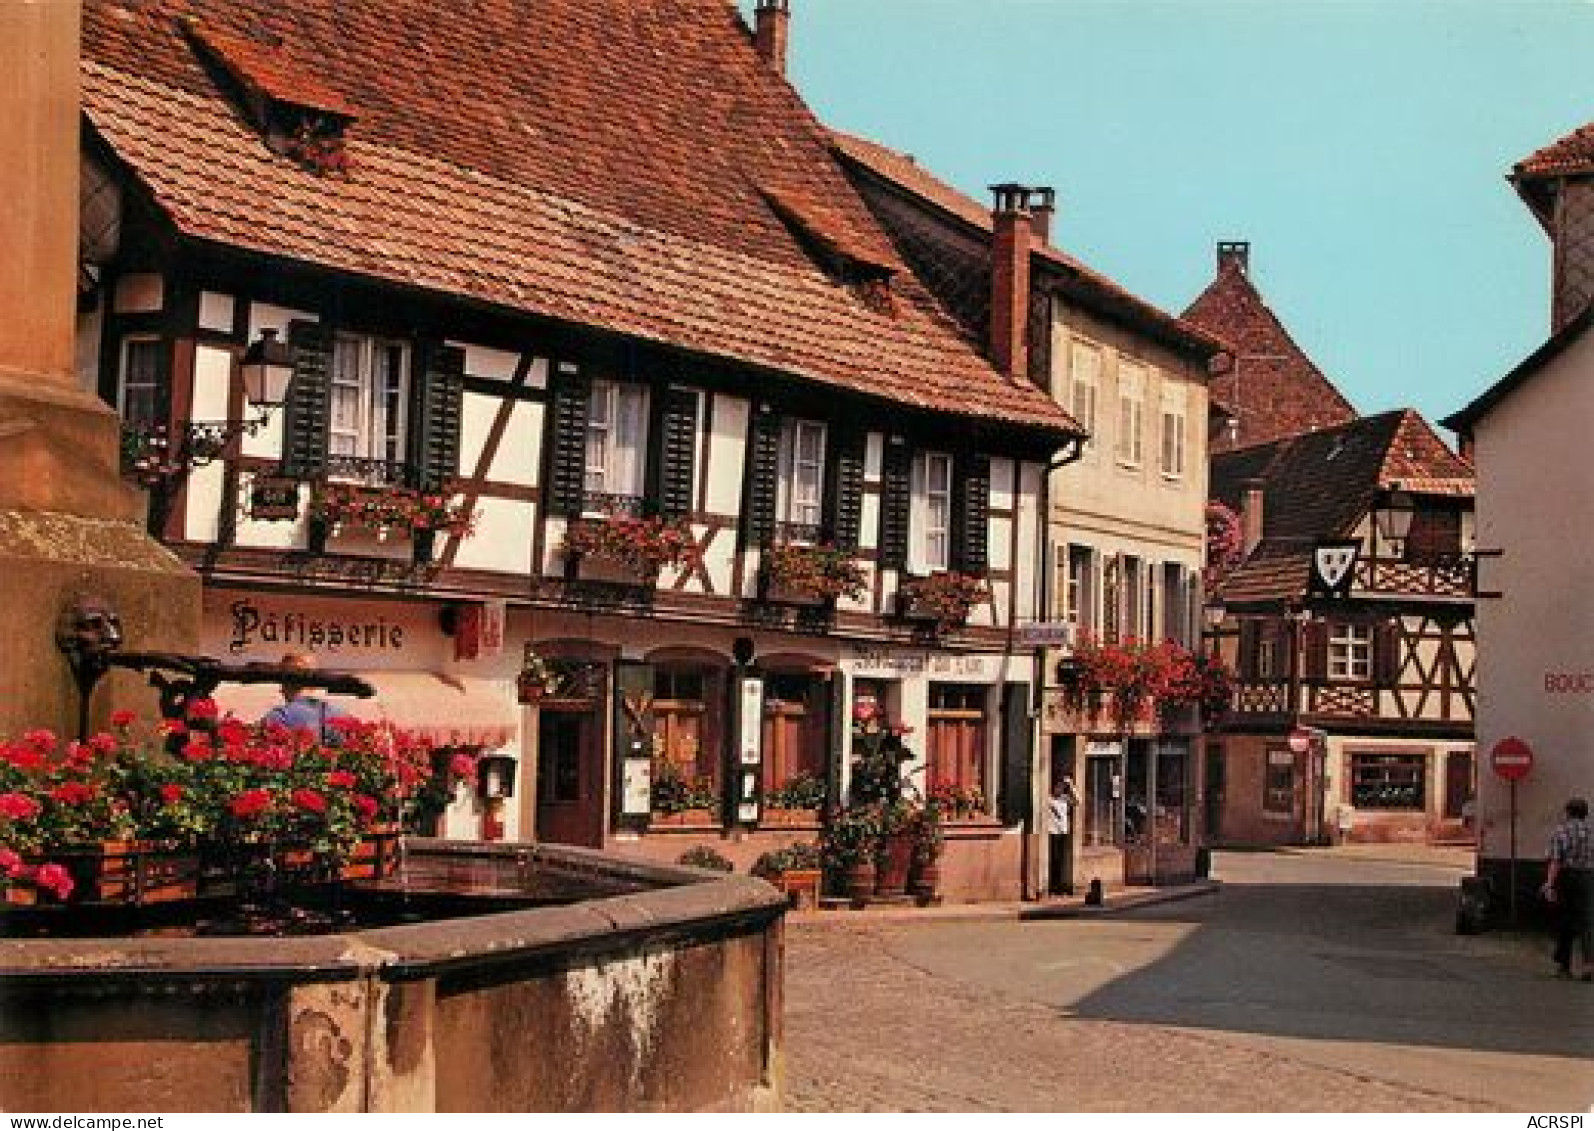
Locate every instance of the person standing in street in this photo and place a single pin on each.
(1059, 836)
(300, 710)
(1569, 885)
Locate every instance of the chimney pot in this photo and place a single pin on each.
(1042, 212)
(771, 32)
(1235, 254)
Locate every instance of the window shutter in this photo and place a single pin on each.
(896, 497)
(1250, 649)
(845, 483)
(567, 444)
(676, 452)
(763, 474)
(441, 403)
(971, 515)
(307, 417)
(1314, 660)
(1386, 653)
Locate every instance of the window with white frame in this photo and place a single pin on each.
(617, 432)
(1350, 651)
(1131, 413)
(138, 398)
(932, 511)
(369, 396)
(801, 492)
(1084, 378)
(1173, 433)
(1133, 597)
(1078, 588)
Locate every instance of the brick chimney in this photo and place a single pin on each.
(772, 31)
(1012, 238)
(1252, 494)
(1234, 255)
(1043, 210)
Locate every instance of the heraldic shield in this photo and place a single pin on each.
(1333, 568)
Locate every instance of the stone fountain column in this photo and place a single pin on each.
(69, 525)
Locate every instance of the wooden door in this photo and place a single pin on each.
(569, 778)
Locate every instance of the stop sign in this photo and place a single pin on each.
(1511, 758)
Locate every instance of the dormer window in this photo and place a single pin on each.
(843, 253)
(297, 114)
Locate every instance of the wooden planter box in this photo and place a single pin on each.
(131, 871)
(789, 818)
(685, 818)
(801, 887)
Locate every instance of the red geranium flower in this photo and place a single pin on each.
(123, 718)
(203, 709)
(73, 793)
(55, 879)
(21, 756)
(310, 801)
(104, 744)
(171, 793)
(41, 739)
(232, 732)
(18, 807)
(365, 806)
(251, 803)
(10, 863)
(341, 779)
(198, 750)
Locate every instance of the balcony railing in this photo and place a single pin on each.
(603, 502)
(1448, 575)
(368, 472)
(799, 533)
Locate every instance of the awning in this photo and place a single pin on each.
(446, 710)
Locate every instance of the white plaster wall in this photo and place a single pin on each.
(212, 377)
(1536, 506)
(216, 311)
(519, 454)
(1029, 535)
(504, 530)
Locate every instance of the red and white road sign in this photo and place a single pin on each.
(1511, 758)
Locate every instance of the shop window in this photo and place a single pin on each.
(794, 742)
(1389, 781)
(1173, 793)
(1278, 784)
(687, 725)
(956, 746)
(1103, 784)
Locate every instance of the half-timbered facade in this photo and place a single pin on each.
(626, 463)
(1125, 528)
(1349, 624)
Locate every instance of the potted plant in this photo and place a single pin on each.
(702, 856)
(954, 802)
(894, 848)
(929, 841)
(798, 801)
(795, 870)
(679, 800)
(848, 846)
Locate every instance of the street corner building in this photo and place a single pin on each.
(1343, 603)
(625, 452)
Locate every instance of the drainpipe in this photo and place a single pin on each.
(1033, 852)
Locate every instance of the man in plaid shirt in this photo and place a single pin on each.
(1570, 884)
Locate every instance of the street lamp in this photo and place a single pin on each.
(267, 372)
(1214, 613)
(1394, 519)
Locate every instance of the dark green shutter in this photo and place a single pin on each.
(1251, 650)
(844, 497)
(441, 403)
(676, 448)
(971, 514)
(307, 417)
(763, 477)
(567, 443)
(1314, 651)
(1386, 653)
(896, 496)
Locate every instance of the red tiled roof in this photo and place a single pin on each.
(600, 162)
(1271, 388)
(265, 69)
(1320, 485)
(907, 174)
(1573, 153)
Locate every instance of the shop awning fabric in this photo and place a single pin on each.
(445, 710)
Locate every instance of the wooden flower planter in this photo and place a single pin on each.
(896, 857)
(685, 818)
(789, 818)
(800, 886)
(129, 872)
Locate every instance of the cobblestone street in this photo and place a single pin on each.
(1306, 984)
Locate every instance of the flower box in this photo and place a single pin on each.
(781, 818)
(685, 818)
(810, 575)
(943, 600)
(634, 549)
(129, 872)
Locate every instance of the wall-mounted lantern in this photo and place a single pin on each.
(496, 777)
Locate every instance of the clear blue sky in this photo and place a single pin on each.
(1360, 147)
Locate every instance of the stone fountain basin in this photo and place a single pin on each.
(627, 986)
